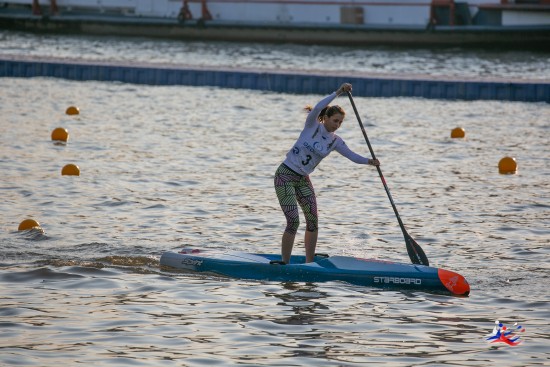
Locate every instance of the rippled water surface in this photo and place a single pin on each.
(450, 62)
(166, 167)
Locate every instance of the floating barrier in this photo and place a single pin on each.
(286, 82)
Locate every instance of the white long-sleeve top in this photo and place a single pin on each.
(315, 143)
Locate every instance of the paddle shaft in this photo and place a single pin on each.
(414, 250)
(377, 167)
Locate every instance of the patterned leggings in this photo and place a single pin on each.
(292, 188)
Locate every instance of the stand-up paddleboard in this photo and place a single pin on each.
(364, 272)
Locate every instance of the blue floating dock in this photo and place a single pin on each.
(287, 82)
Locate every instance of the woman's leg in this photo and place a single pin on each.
(284, 188)
(310, 241)
(308, 203)
(287, 243)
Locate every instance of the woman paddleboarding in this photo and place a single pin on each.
(292, 183)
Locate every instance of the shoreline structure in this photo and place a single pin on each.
(522, 24)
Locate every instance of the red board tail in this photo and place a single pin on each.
(454, 282)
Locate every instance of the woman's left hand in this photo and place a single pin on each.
(346, 87)
(374, 162)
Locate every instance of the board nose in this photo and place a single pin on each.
(454, 282)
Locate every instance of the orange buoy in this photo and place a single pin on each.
(28, 224)
(458, 132)
(60, 134)
(507, 165)
(70, 170)
(72, 110)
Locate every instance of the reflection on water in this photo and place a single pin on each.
(168, 167)
(303, 300)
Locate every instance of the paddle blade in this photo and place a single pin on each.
(415, 252)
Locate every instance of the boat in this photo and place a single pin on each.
(352, 270)
(485, 23)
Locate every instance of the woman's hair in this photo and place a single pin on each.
(328, 111)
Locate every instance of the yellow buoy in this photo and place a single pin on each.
(507, 165)
(72, 110)
(28, 224)
(458, 132)
(60, 134)
(70, 170)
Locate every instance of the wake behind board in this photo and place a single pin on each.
(357, 271)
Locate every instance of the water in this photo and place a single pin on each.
(439, 62)
(166, 167)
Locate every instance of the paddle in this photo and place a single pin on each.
(414, 250)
